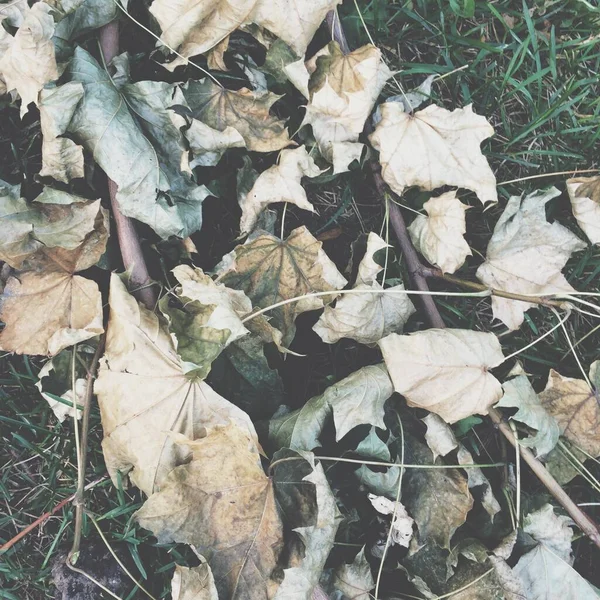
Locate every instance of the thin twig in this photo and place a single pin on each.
(7, 545)
(418, 274)
(129, 241)
(79, 500)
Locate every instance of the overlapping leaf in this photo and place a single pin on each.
(439, 236)
(146, 399)
(432, 148)
(584, 193)
(270, 271)
(445, 371)
(526, 255)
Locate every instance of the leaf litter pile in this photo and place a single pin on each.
(370, 488)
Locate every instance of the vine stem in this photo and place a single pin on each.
(129, 241)
(418, 273)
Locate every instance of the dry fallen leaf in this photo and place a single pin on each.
(309, 508)
(519, 393)
(343, 90)
(355, 580)
(526, 255)
(62, 158)
(551, 530)
(369, 316)
(279, 183)
(196, 26)
(29, 62)
(293, 21)
(208, 145)
(545, 576)
(445, 371)
(434, 147)
(584, 193)
(353, 401)
(270, 270)
(401, 526)
(196, 583)
(439, 236)
(437, 499)
(244, 110)
(140, 430)
(576, 409)
(45, 306)
(222, 503)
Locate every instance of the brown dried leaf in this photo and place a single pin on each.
(222, 502)
(244, 110)
(196, 583)
(146, 399)
(575, 406)
(270, 270)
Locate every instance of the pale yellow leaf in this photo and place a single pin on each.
(445, 371)
(44, 313)
(29, 63)
(402, 524)
(208, 145)
(196, 583)
(369, 268)
(343, 90)
(526, 255)
(439, 236)
(365, 317)
(270, 270)
(279, 183)
(222, 503)
(146, 399)
(584, 193)
(575, 407)
(195, 26)
(293, 21)
(434, 147)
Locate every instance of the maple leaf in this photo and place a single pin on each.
(526, 254)
(439, 236)
(29, 62)
(575, 407)
(293, 21)
(432, 148)
(208, 145)
(366, 317)
(445, 371)
(195, 583)
(343, 90)
(141, 154)
(196, 26)
(45, 306)
(551, 530)
(519, 393)
(207, 320)
(270, 270)
(309, 507)
(245, 111)
(437, 499)
(355, 400)
(140, 433)
(222, 503)
(584, 193)
(279, 183)
(355, 579)
(62, 158)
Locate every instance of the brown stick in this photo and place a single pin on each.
(583, 521)
(6, 546)
(129, 241)
(418, 274)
